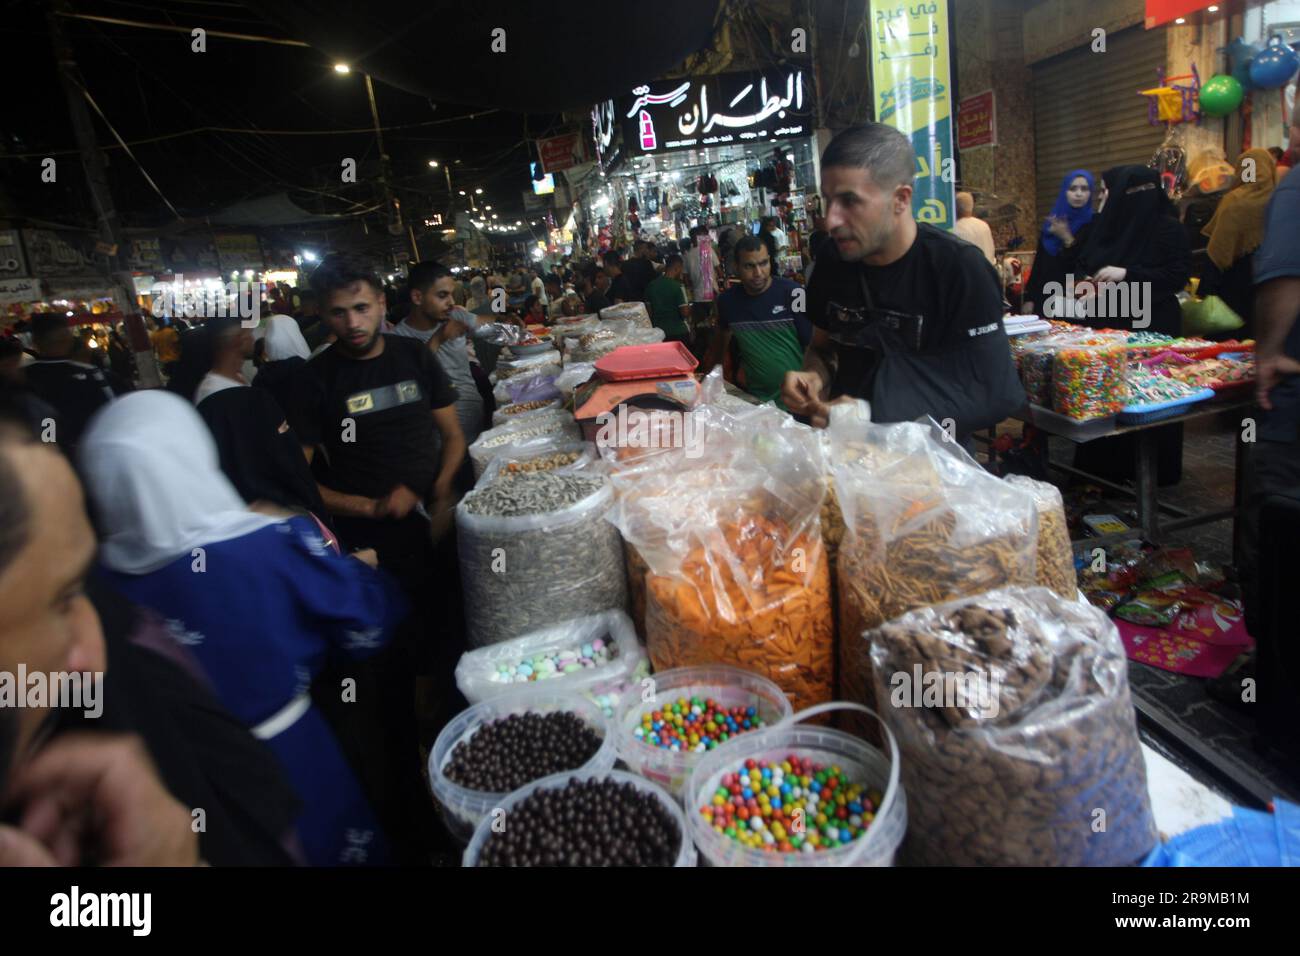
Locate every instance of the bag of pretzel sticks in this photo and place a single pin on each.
(924, 523)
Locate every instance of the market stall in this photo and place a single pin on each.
(843, 648)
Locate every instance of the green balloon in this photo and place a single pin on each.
(1220, 95)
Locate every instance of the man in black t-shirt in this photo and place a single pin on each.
(906, 316)
(639, 271)
(75, 388)
(382, 411)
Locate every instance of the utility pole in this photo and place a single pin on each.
(92, 161)
(393, 205)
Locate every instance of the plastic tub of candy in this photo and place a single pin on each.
(463, 808)
(597, 656)
(860, 764)
(686, 854)
(727, 687)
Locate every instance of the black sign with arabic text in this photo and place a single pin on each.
(723, 110)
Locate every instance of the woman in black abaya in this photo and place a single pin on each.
(1137, 238)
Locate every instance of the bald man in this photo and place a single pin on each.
(974, 231)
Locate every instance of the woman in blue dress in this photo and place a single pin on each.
(262, 600)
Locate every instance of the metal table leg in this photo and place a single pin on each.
(1148, 508)
(1239, 499)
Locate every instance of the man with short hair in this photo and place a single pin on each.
(666, 301)
(384, 412)
(974, 230)
(760, 313)
(598, 297)
(907, 316)
(445, 328)
(74, 388)
(640, 270)
(620, 288)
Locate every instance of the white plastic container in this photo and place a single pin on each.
(686, 855)
(462, 808)
(861, 762)
(728, 686)
(476, 670)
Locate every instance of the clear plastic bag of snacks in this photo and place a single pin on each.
(1016, 733)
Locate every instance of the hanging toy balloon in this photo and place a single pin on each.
(1242, 53)
(1220, 95)
(1273, 66)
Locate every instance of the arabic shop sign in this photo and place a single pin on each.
(730, 108)
(912, 83)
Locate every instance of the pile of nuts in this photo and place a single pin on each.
(520, 407)
(541, 463)
(1021, 765)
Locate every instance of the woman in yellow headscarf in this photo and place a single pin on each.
(1235, 232)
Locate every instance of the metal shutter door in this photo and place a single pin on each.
(1087, 114)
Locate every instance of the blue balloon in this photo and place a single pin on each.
(1273, 66)
(1242, 53)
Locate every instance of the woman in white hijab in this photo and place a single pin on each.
(261, 600)
(284, 354)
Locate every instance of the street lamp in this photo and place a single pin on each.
(479, 191)
(342, 68)
(433, 163)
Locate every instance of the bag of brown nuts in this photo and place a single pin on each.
(1016, 732)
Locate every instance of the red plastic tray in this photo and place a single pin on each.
(646, 361)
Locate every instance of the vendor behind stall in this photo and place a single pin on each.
(906, 315)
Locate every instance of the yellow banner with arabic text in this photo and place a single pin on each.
(912, 87)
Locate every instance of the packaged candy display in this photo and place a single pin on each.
(504, 743)
(607, 818)
(1030, 729)
(1055, 558)
(1088, 381)
(1035, 364)
(597, 656)
(537, 550)
(925, 525)
(1149, 387)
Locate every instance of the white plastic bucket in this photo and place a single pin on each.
(728, 686)
(462, 808)
(686, 855)
(861, 762)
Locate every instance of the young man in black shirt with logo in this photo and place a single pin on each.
(381, 412)
(906, 316)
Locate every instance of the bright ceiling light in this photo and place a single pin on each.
(342, 68)
(462, 192)
(1181, 20)
(309, 255)
(479, 191)
(488, 208)
(433, 163)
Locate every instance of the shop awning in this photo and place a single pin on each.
(1160, 12)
